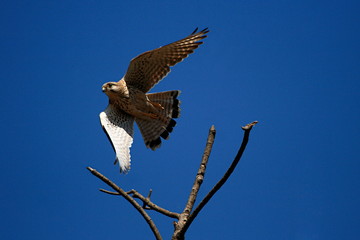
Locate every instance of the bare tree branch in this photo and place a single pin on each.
(227, 174)
(147, 204)
(130, 200)
(188, 215)
(183, 219)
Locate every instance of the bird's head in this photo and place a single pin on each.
(115, 88)
(110, 87)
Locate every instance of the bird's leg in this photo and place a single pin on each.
(150, 115)
(157, 105)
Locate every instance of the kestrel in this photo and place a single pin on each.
(129, 101)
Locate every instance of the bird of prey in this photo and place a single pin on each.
(129, 101)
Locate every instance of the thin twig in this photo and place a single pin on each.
(152, 206)
(148, 199)
(130, 199)
(221, 182)
(183, 219)
(108, 192)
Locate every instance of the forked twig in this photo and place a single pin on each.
(227, 174)
(147, 204)
(130, 200)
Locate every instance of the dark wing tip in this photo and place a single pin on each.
(202, 32)
(205, 30)
(194, 31)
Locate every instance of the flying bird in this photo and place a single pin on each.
(129, 101)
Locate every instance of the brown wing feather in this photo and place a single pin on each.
(149, 68)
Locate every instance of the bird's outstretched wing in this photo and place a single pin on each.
(149, 68)
(118, 126)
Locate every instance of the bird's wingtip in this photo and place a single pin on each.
(204, 31)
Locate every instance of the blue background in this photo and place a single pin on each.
(291, 65)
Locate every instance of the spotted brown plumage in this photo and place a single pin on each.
(129, 101)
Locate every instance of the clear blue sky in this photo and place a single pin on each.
(291, 65)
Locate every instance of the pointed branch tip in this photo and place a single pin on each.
(149, 195)
(249, 126)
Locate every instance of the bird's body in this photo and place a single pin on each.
(129, 101)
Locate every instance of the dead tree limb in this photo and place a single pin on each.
(188, 215)
(130, 200)
(183, 219)
(221, 182)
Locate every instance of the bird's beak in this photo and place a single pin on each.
(103, 89)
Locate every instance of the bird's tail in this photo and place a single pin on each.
(153, 129)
